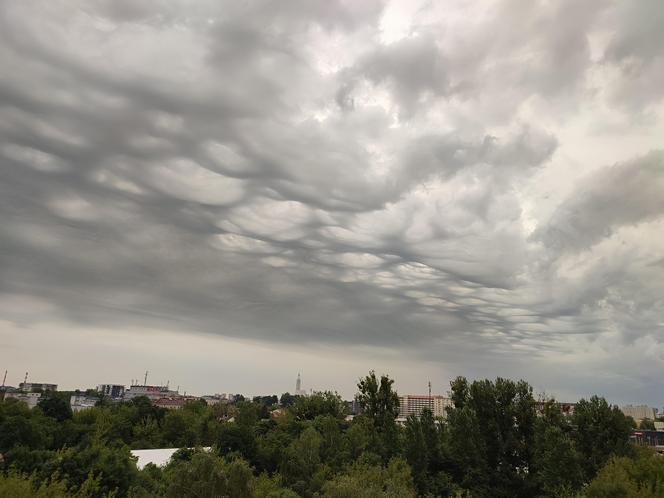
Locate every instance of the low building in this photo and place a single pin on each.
(654, 439)
(213, 400)
(158, 457)
(151, 392)
(174, 402)
(170, 403)
(115, 391)
(80, 402)
(32, 387)
(31, 399)
(639, 412)
(413, 404)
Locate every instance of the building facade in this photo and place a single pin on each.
(114, 391)
(151, 392)
(81, 402)
(413, 404)
(639, 412)
(37, 386)
(31, 399)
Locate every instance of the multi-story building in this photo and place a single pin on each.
(639, 412)
(212, 400)
(152, 392)
(114, 391)
(413, 404)
(81, 402)
(37, 386)
(31, 399)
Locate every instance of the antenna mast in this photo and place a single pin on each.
(145, 382)
(4, 379)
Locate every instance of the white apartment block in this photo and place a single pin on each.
(639, 412)
(413, 404)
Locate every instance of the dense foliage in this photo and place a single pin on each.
(497, 441)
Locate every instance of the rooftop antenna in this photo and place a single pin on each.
(25, 380)
(167, 383)
(145, 382)
(4, 379)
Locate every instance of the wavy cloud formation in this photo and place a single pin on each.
(479, 185)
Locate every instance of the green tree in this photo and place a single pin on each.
(20, 486)
(366, 480)
(247, 414)
(492, 431)
(208, 476)
(319, 404)
(601, 430)
(176, 431)
(112, 467)
(146, 434)
(557, 464)
(54, 406)
(647, 424)
(623, 477)
(287, 399)
(237, 438)
(381, 407)
(301, 462)
(423, 448)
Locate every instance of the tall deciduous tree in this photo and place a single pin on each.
(492, 429)
(601, 430)
(381, 406)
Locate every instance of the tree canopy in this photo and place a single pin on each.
(496, 441)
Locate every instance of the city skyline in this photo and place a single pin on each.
(296, 389)
(226, 193)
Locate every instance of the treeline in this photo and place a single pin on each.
(497, 441)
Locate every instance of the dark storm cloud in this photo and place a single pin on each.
(273, 170)
(623, 194)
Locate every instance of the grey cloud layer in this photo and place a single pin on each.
(281, 173)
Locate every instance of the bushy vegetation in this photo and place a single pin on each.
(497, 441)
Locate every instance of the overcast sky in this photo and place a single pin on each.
(227, 193)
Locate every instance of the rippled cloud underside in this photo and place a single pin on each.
(475, 184)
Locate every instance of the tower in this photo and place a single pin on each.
(298, 384)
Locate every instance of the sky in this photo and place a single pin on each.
(228, 193)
